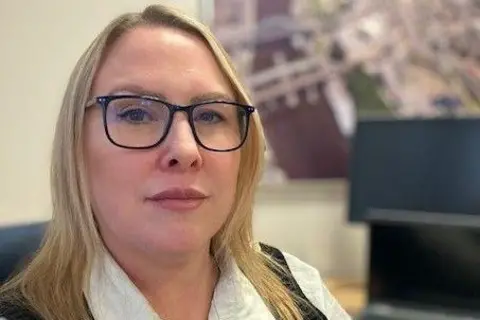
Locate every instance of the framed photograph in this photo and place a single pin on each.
(315, 66)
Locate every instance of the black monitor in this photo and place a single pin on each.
(408, 169)
(427, 266)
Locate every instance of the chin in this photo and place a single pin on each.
(177, 242)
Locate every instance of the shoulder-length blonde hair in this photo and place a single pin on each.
(53, 283)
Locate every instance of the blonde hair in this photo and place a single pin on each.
(53, 283)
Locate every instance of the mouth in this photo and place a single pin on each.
(178, 199)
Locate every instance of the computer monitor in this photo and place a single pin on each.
(425, 266)
(408, 169)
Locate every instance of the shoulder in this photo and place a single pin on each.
(314, 288)
(311, 284)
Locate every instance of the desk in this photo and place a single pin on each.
(351, 295)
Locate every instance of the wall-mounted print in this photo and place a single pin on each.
(314, 66)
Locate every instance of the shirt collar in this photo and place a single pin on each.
(111, 295)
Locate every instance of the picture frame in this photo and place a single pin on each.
(315, 67)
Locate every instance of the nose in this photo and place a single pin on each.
(182, 152)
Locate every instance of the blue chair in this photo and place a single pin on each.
(17, 245)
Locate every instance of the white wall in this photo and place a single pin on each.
(40, 43)
(309, 220)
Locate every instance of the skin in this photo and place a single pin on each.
(164, 252)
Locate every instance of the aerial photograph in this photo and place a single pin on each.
(314, 67)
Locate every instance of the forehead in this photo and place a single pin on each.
(172, 62)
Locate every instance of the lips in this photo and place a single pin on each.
(178, 199)
(178, 194)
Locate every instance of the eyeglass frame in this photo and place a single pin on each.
(105, 100)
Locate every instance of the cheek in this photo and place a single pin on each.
(222, 170)
(112, 173)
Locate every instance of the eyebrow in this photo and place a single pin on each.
(204, 97)
(210, 96)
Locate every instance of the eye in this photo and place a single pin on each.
(135, 116)
(209, 116)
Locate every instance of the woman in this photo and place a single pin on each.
(156, 157)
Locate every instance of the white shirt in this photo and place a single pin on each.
(112, 295)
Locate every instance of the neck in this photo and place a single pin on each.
(170, 281)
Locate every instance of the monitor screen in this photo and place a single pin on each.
(426, 265)
(415, 165)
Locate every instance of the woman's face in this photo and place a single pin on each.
(174, 197)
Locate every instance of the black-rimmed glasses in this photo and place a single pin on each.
(142, 122)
